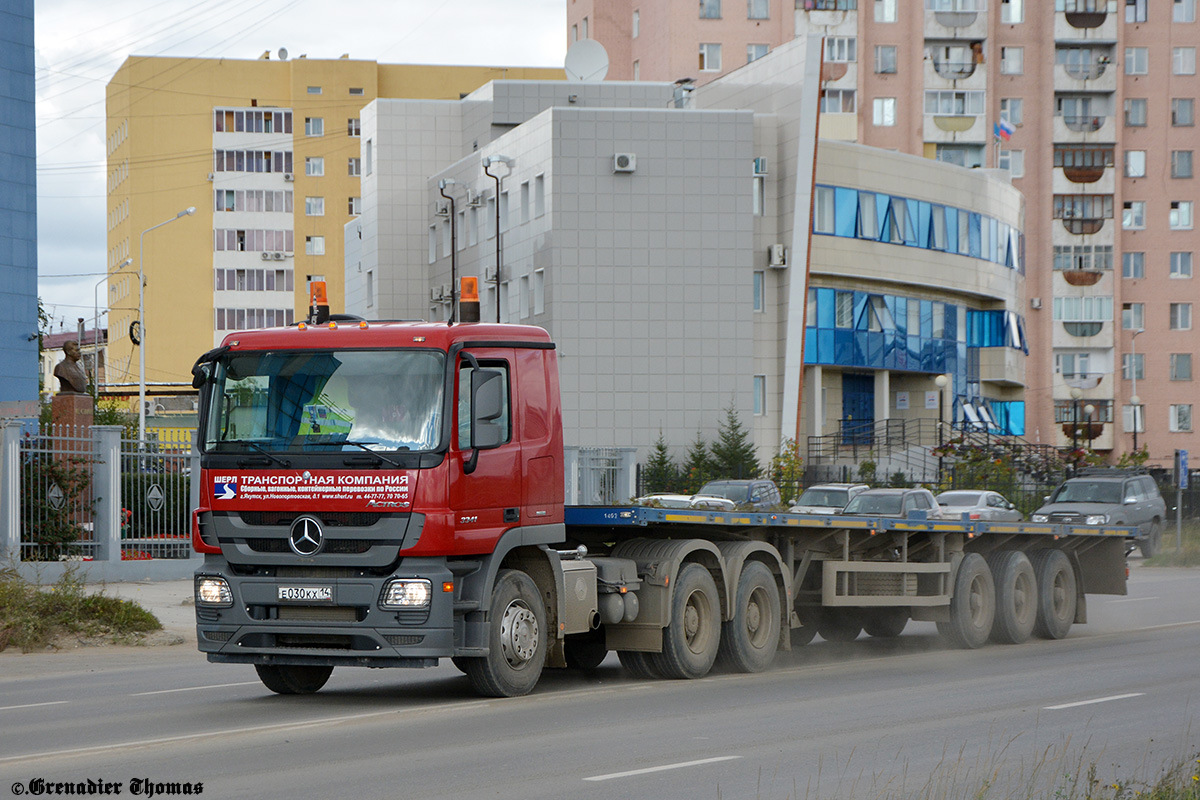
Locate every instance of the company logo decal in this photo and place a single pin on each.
(225, 488)
(306, 537)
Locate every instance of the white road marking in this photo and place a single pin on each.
(1097, 700)
(1132, 599)
(35, 705)
(196, 688)
(663, 768)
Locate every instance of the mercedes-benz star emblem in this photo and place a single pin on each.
(305, 537)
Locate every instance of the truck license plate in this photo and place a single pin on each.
(319, 594)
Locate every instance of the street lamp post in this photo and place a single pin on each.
(187, 212)
(1135, 400)
(96, 326)
(507, 162)
(940, 381)
(1076, 393)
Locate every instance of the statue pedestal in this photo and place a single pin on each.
(71, 409)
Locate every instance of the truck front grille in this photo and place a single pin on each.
(343, 519)
(334, 546)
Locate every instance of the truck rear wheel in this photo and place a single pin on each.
(885, 623)
(750, 639)
(1055, 594)
(973, 606)
(839, 624)
(1016, 597)
(516, 639)
(292, 678)
(690, 642)
(585, 650)
(639, 664)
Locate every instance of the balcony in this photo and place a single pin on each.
(941, 74)
(1083, 226)
(1092, 128)
(1098, 76)
(954, 128)
(1098, 180)
(968, 23)
(1074, 26)
(1004, 366)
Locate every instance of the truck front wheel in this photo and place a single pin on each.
(690, 642)
(516, 639)
(292, 678)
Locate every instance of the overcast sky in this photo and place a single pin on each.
(81, 43)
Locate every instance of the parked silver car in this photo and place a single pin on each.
(983, 505)
(827, 498)
(893, 503)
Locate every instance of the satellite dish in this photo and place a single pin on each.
(587, 60)
(283, 54)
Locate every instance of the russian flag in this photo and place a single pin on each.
(1003, 129)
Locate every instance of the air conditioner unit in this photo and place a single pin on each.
(624, 162)
(447, 292)
(777, 256)
(151, 407)
(489, 274)
(277, 256)
(760, 166)
(474, 200)
(287, 176)
(1035, 302)
(266, 256)
(435, 293)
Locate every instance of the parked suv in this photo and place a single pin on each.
(1109, 497)
(759, 495)
(827, 498)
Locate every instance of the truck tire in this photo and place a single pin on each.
(750, 639)
(839, 624)
(292, 678)
(516, 639)
(885, 623)
(808, 626)
(973, 605)
(640, 664)
(690, 642)
(1056, 594)
(1151, 544)
(585, 650)
(1016, 597)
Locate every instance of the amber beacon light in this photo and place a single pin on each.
(468, 299)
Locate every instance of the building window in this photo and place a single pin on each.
(954, 103)
(583, 27)
(758, 9)
(637, 23)
(841, 49)
(637, 70)
(354, 167)
(1181, 215)
(756, 51)
(1181, 366)
(1181, 163)
(1181, 264)
(823, 213)
(433, 237)
(1181, 316)
(370, 149)
(1135, 112)
(837, 101)
(1013, 161)
(1137, 60)
(1181, 418)
(1012, 11)
(314, 206)
(355, 206)
(1128, 414)
(885, 59)
(1135, 163)
(574, 33)
(883, 111)
(314, 126)
(1083, 256)
(1184, 11)
(1071, 365)
(1133, 216)
(1183, 112)
(354, 126)
(1135, 10)
(885, 10)
(314, 90)
(1083, 309)
(710, 58)
(356, 91)
(1183, 60)
(314, 245)
(759, 196)
(1012, 60)
(710, 9)
(1133, 265)
(843, 310)
(1013, 110)
(759, 300)
(539, 291)
(1133, 364)
(760, 395)
(314, 166)
(1133, 316)
(539, 195)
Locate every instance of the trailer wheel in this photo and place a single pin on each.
(885, 623)
(585, 650)
(973, 606)
(690, 642)
(1152, 542)
(808, 627)
(1056, 594)
(292, 678)
(750, 639)
(639, 663)
(516, 639)
(839, 624)
(1016, 597)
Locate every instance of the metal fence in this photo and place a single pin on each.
(600, 476)
(156, 495)
(57, 495)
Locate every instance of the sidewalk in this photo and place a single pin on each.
(170, 601)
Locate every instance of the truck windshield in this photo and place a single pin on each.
(313, 401)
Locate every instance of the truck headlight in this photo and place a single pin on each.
(213, 592)
(1040, 518)
(1096, 519)
(406, 593)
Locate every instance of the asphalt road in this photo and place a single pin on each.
(871, 718)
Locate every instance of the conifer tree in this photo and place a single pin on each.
(661, 473)
(733, 453)
(697, 467)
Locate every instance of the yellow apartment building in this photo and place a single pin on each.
(268, 154)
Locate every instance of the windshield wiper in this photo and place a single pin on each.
(363, 446)
(281, 461)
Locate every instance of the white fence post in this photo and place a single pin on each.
(10, 491)
(106, 488)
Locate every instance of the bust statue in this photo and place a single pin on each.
(70, 373)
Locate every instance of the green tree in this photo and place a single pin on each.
(733, 454)
(697, 466)
(661, 473)
(787, 469)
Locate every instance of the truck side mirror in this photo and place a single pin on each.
(487, 404)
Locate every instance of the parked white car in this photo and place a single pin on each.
(984, 505)
(827, 498)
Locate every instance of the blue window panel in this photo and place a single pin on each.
(861, 311)
(912, 208)
(975, 231)
(868, 216)
(900, 315)
(845, 212)
(924, 224)
(826, 346)
(928, 359)
(1010, 416)
(926, 319)
(994, 231)
(951, 230)
(826, 312)
(891, 354)
(1024, 338)
(883, 204)
(843, 347)
(875, 345)
(950, 323)
(810, 346)
(914, 352)
(861, 346)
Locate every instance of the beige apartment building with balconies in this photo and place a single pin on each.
(1090, 107)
